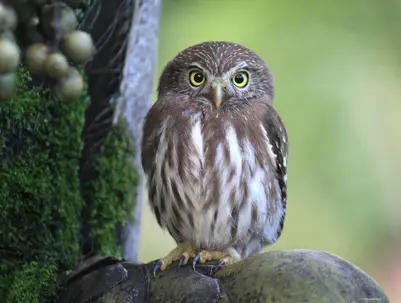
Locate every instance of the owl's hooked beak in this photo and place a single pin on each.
(218, 91)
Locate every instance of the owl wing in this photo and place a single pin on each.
(151, 135)
(152, 129)
(277, 135)
(163, 116)
(149, 140)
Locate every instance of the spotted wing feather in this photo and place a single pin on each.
(277, 135)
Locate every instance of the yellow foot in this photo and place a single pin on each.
(226, 257)
(183, 252)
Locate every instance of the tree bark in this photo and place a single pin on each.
(135, 99)
(120, 81)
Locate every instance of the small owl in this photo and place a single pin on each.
(214, 152)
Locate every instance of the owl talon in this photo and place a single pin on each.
(219, 266)
(158, 265)
(181, 262)
(181, 253)
(196, 259)
(226, 257)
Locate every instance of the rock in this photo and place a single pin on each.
(299, 276)
(276, 276)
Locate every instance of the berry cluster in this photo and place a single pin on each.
(45, 32)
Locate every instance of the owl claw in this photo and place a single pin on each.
(219, 266)
(182, 253)
(181, 262)
(158, 265)
(196, 259)
(224, 257)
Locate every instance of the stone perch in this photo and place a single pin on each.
(290, 276)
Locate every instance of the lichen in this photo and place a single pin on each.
(112, 193)
(40, 203)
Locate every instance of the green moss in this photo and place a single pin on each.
(40, 203)
(112, 193)
(33, 281)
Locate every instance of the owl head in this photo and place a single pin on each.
(218, 75)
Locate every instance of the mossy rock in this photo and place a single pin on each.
(287, 276)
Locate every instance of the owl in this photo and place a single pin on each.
(214, 153)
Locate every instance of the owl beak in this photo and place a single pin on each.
(218, 89)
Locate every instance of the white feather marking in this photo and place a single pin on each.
(233, 147)
(197, 139)
(270, 152)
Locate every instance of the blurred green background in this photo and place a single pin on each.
(337, 67)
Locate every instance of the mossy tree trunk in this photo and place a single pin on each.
(69, 171)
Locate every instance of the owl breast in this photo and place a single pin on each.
(211, 186)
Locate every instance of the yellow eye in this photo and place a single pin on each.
(240, 79)
(196, 78)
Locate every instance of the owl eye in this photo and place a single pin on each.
(196, 78)
(240, 79)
